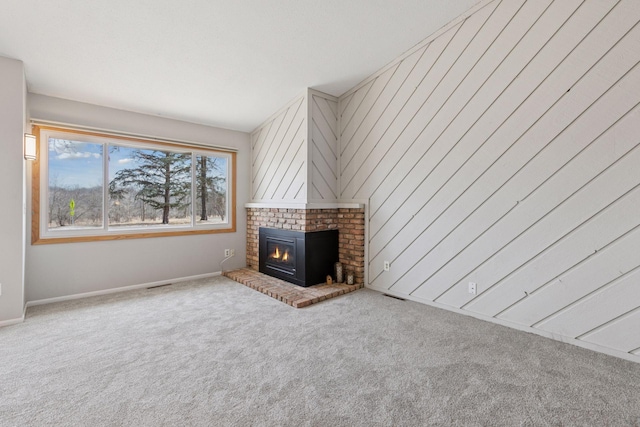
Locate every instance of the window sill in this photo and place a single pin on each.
(126, 236)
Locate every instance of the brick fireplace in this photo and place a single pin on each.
(348, 221)
(295, 180)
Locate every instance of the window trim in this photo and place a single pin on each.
(38, 239)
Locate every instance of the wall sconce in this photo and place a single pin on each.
(29, 146)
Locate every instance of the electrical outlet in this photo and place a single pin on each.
(387, 265)
(233, 252)
(227, 253)
(472, 288)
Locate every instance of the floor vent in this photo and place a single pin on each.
(160, 286)
(394, 297)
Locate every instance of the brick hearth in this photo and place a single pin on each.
(295, 296)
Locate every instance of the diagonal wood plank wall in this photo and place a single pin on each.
(279, 155)
(505, 152)
(324, 147)
(294, 154)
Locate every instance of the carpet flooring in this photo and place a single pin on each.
(216, 353)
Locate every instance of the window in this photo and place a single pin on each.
(92, 186)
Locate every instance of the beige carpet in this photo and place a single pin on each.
(216, 353)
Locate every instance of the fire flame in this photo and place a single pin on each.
(276, 254)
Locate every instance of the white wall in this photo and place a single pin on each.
(279, 155)
(323, 150)
(505, 151)
(66, 269)
(12, 166)
(294, 153)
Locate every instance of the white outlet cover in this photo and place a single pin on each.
(386, 266)
(472, 288)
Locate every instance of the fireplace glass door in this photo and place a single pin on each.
(281, 255)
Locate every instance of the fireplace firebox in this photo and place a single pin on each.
(304, 259)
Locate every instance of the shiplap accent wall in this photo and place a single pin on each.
(505, 152)
(323, 154)
(294, 154)
(279, 155)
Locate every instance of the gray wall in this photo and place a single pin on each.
(72, 268)
(505, 152)
(12, 187)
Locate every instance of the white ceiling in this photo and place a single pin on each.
(218, 62)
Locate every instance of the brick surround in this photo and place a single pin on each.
(348, 221)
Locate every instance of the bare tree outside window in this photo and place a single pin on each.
(154, 181)
(107, 186)
(211, 185)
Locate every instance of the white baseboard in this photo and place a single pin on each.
(121, 289)
(546, 334)
(12, 321)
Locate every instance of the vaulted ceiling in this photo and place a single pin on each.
(217, 62)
